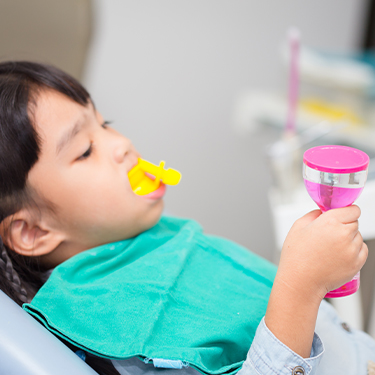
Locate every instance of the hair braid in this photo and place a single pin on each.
(14, 289)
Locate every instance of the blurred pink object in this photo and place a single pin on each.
(334, 177)
(294, 44)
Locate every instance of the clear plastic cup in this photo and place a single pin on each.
(334, 177)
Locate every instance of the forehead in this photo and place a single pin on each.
(54, 113)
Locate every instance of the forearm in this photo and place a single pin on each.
(320, 253)
(291, 316)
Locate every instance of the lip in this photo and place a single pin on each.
(157, 194)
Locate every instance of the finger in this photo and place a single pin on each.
(346, 214)
(353, 228)
(358, 241)
(363, 254)
(308, 218)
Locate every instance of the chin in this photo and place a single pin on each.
(144, 222)
(156, 216)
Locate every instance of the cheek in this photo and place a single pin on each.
(95, 198)
(100, 201)
(94, 186)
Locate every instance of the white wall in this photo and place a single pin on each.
(168, 72)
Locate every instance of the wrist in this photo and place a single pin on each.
(291, 316)
(306, 295)
(299, 285)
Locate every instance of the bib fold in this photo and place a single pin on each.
(171, 293)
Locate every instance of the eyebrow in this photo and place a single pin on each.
(69, 135)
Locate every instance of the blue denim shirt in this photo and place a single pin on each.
(268, 355)
(345, 351)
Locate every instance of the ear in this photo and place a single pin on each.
(29, 236)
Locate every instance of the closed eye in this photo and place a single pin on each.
(87, 153)
(105, 124)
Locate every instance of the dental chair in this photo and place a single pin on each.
(27, 348)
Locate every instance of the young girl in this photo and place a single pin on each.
(128, 284)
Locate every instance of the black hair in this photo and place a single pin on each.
(20, 83)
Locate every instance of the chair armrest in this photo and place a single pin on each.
(27, 348)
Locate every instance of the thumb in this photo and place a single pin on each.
(307, 219)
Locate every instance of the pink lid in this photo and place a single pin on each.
(336, 159)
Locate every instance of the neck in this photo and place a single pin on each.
(64, 251)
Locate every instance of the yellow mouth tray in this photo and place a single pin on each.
(141, 181)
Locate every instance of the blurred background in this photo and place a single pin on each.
(204, 85)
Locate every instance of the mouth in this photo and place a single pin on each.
(156, 194)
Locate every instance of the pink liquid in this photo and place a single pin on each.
(327, 197)
(347, 289)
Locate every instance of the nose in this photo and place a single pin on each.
(120, 147)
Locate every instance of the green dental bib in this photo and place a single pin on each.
(171, 292)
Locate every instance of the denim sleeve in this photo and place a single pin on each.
(269, 356)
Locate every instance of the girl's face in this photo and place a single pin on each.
(83, 171)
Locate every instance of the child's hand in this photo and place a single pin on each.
(322, 252)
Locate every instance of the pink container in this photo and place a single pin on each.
(334, 177)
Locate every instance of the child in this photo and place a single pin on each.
(128, 283)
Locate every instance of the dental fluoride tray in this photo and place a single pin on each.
(146, 177)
